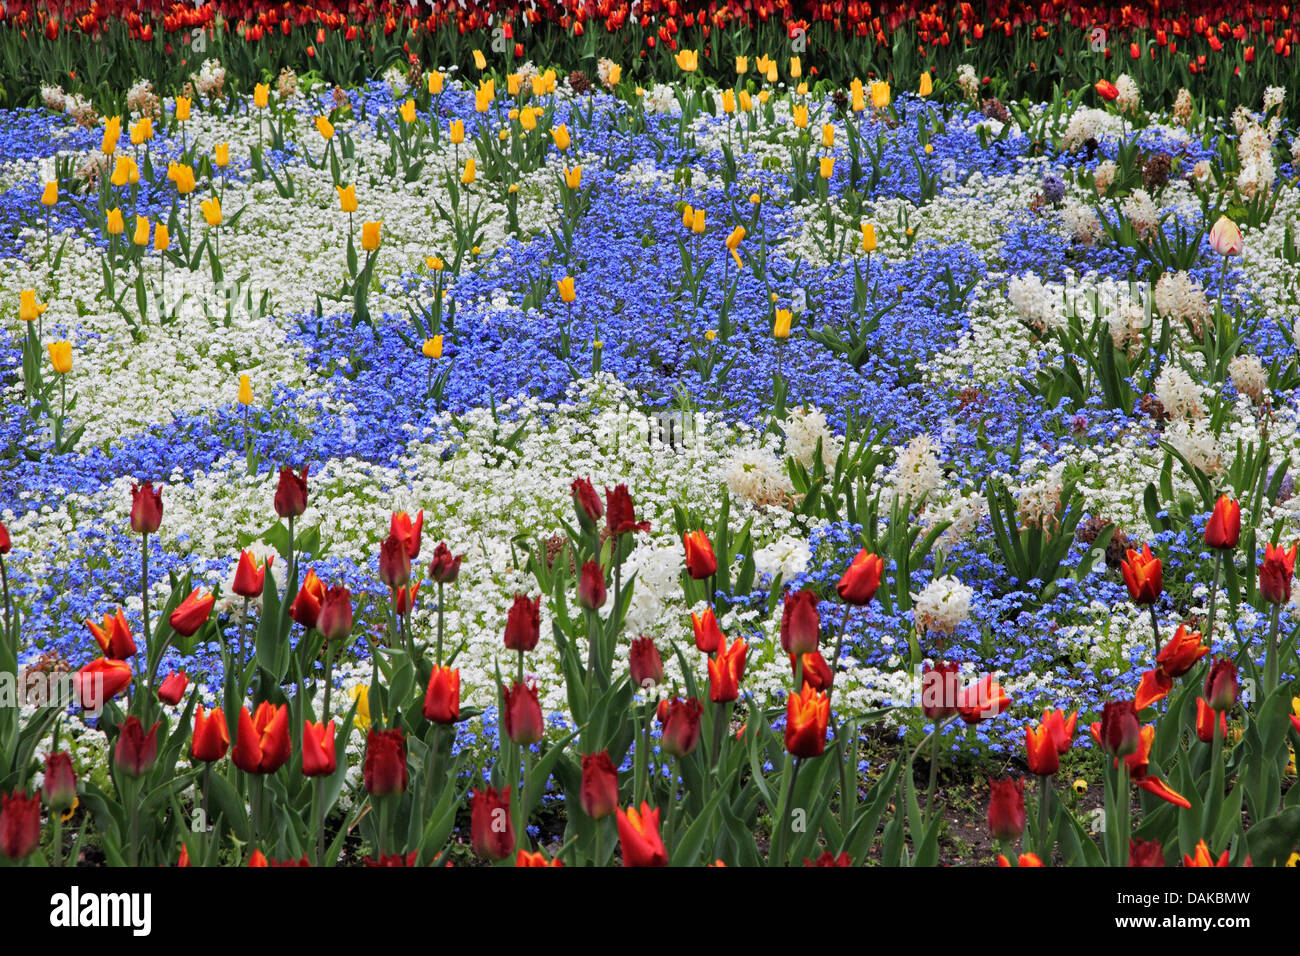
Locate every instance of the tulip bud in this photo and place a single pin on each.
(644, 661)
(1276, 572)
(1142, 575)
(599, 793)
(60, 356)
(146, 508)
(442, 696)
(591, 586)
(859, 583)
(806, 716)
(192, 613)
(522, 623)
(522, 714)
(1221, 687)
(114, 636)
(708, 636)
(700, 559)
(800, 623)
(1225, 237)
(171, 690)
(445, 567)
(306, 606)
(370, 235)
(291, 493)
(492, 831)
(136, 751)
(347, 198)
(1223, 530)
(638, 835)
(319, 758)
(211, 737)
(262, 743)
(1206, 717)
(1119, 730)
(1006, 816)
(20, 824)
(384, 770)
(586, 502)
(681, 730)
(335, 619)
(940, 686)
(60, 786)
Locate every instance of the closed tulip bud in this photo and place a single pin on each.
(522, 623)
(940, 686)
(742, 64)
(687, 60)
(171, 690)
(708, 636)
(121, 171)
(394, 562)
(868, 237)
(262, 743)
(161, 238)
(860, 582)
(728, 101)
(183, 104)
(816, 672)
(560, 135)
(221, 155)
(1106, 90)
(1145, 853)
(29, 310)
(370, 235)
(114, 636)
(436, 80)
(521, 714)
(726, 671)
(100, 681)
(457, 131)
(591, 586)
(1225, 237)
(828, 135)
(183, 178)
(211, 211)
(442, 696)
(796, 67)
(879, 94)
(192, 613)
(772, 75)
(697, 221)
(1223, 530)
(470, 173)
(384, 770)
(482, 100)
(50, 195)
(1276, 572)
(136, 751)
(60, 786)
(781, 324)
(114, 223)
(1221, 687)
(806, 716)
(492, 832)
(112, 133)
(1142, 575)
(927, 86)
(261, 95)
(638, 836)
(568, 292)
(319, 758)
(211, 738)
(324, 127)
(599, 793)
(480, 62)
(1118, 732)
(141, 235)
(586, 503)
(250, 575)
(306, 606)
(335, 619)
(20, 824)
(291, 493)
(746, 101)
(700, 560)
(1205, 720)
(644, 661)
(146, 508)
(800, 623)
(5, 544)
(407, 111)
(856, 97)
(826, 166)
(61, 356)
(681, 730)
(1006, 816)
(445, 567)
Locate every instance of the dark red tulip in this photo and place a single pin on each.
(249, 575)
(861, 580)
(20, 824)
(940, 686)
(384, 770)
(682, 726)
(171, 690)
(700, 559)
(136, 751)
(394, 562)
(446, 566)
(335, 619)
(644, 661)
(262, 743)
(522, 713)
(620, 515)
(291, 493)
(319, 758)
(114, 636)
(442, 696)
(800, 623)
(1275, 573)
(523, 623)
(5, 544)
(1221, 687)
(586, 503)
(1223, 530)
(146, 508)
(1118, 731)
(403, 527)
(491, 830)
(192, 613)
(599, 795)
(211, 737)
(1006, 816)
(708, 636)
(1145, 853)
(60, 785)
(591, 586)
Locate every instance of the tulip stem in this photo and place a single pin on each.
(1044, 817)
(1270, 658)
(4, 582)
(776, 856)
(440, 605)
(243, 627)
(599, 858)
(933, 783)
(1155, 630)
(1214, 593)
(719, 719)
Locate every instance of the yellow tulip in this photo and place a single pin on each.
(929, 148)
(482, 101)
(742, 65)
(735, 237)
(755, 198)
(245, 396)
(827, 166)
(141, 237)
(781, 328)
(688, 61)
(801, 116)
(211, 211)
(480, 61)
(528, 118)
(688, 215)
(29, 310)
(728, 101)
(61, 356)
(711, 334)
(503, 135)
(182, 108)
(514, 83)
(470, 172)
(868, 237)
(141, 130)
(561, 136)
(432, 348)
(828, 136)
(772, 74)
(112, 133)
(880, 94)
(347, 198)
(697, 221)
(434, 263)
(802, 89)
(261, 95)
(435, 83)
(568, 292)
(221, 155)
(855, 94)
(457, 129)
(115, 223)
(615, 74)
(162, 239)
(183, 177)
(324, 127)
(796, 67)
(764, 96)
(573, 177)
(538, 85)
(370, 234)
(51, 194)
(121, 171)
(927, 85)
(361, 694)
(746, 101)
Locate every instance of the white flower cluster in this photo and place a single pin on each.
(1248, 376)
(758, 475)
(1179, 296)
(1129, 98)
(941, 606)
(917, 473)
(1039, 307)
(804, 427)
(210, 78)
(968, 82)
(1180, 396)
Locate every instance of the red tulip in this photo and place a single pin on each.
(1145, 853)
(681, 726)
(828, 859)
(1181, 652)
(1275, 573)
(591, 586)
(306, 607)
(708, 636)
(726, 671)
(442, 696)
(1118, 731)
(258, 859)
(5, 544)
(384, 770)
(101, 680)
(291, 493)
(982, 700)
(800, 623)
(1223, 530)
(1006, 816)
(940, 687)
(146, 508)
(136, 751)
(394, 562)
(535, 859)
(114, 637)
(620, 515)
(1205, 722)
(249, 575)
(1061, 727)
(319, 758)
(522, 623)
(20, 824)
(445, 567)
(1221, 687)
(1040, 750)
(599, 795)
(171, 690)
(492, 832)
(262, 742)
(586, 503)
(644, 661)
(60, 785)
(1155, 684)
(335, 619)
(192, 613)
(403, 527)
(806, 716)
(700, 559)
(1025, 859)
(1203, 857)
(816, 672)
(522, 714)
(638, 835)
(862, 579)
(1106, 90)
(211, 738)
(394, 859)
(1142, 575)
